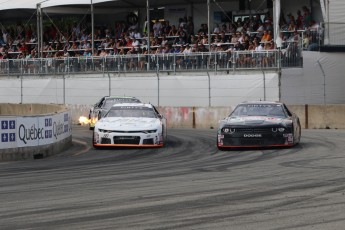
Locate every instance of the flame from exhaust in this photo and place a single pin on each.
(84, 120)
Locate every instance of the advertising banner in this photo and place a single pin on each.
(34, 131)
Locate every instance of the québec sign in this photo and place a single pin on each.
(34, 131)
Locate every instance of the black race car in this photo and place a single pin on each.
(259, 124)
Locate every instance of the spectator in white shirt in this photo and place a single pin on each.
(187, 50)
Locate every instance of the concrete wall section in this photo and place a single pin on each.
(38, 131)
(327, 116)
(30, 109)
(311, 116)
(30, 153)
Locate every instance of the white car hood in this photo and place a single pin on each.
(127, 123)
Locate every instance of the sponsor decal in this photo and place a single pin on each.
(252, 135)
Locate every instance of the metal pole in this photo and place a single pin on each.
(263, 73)
(92, 30)
(279, 73)
(109, 83)
(21, 88)
(148, 31)
(38, 6)
(275, 35)
(41, 32)
(158, 88)
(324, 82)
(64, 88)
(209, 89)
(208, 27)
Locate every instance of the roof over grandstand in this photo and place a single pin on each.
(32, 4)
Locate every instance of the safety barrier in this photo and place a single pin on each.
(290, 56)
(31, 131)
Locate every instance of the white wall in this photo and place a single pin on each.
(321, 80)
(197, 89)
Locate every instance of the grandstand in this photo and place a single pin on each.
(229, 36)
(58, 43)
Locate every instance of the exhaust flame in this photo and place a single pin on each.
(84, 120)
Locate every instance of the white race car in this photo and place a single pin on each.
(130, 125)
(102, 106)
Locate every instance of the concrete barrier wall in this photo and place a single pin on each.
(33, 131)
(29, 109)
(311, 116)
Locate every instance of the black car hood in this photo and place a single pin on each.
(256, 120)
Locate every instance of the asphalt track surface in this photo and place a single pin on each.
(188, 184)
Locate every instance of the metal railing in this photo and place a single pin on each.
(203, 61)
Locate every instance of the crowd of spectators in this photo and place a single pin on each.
(251, 33)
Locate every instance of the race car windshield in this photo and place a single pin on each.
(131, 112)
(259, 110)
(110, 102)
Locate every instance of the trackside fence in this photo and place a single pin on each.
(171, 62)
